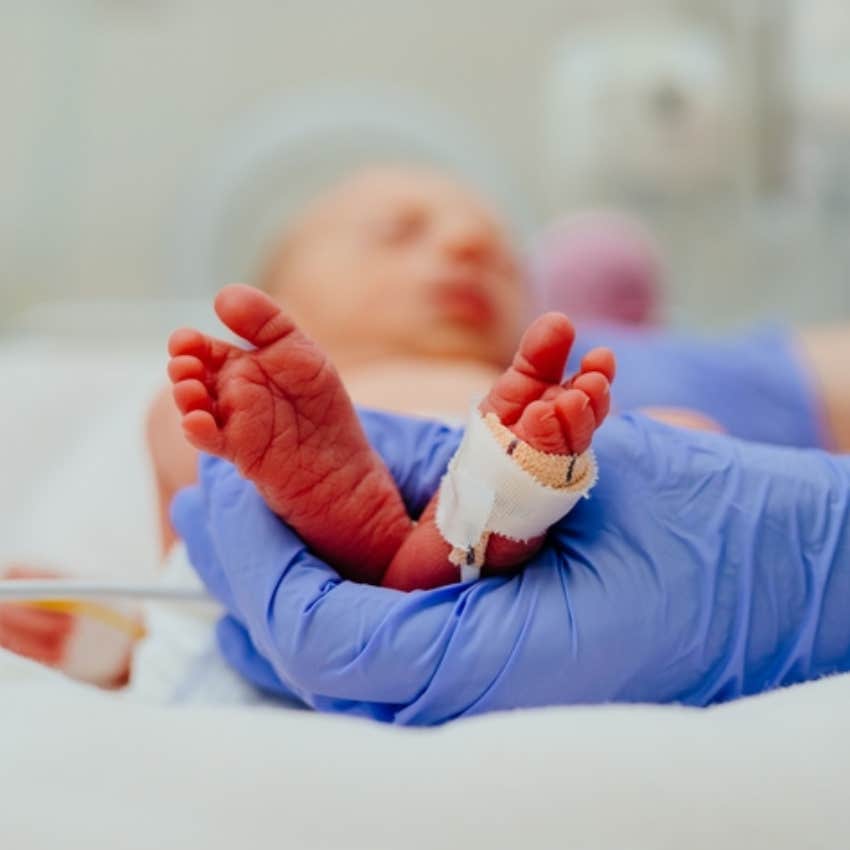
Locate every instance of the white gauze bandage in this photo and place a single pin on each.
(499, 484)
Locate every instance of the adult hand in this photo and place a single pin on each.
(701, 568)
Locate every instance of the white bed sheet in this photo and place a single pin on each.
(85, 770)
(76, 490)
(82, 769)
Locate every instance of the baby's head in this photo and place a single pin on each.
(401, 261)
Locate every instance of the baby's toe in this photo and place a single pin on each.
(577, 419)
(595, 385)
(252, 315)
(544, 348)
(187, 341)
(192, 395)
(202, 432)
(540, 427)
(600, 360)
(537, 367)
(185, 367)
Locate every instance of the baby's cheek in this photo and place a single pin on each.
(512, 316)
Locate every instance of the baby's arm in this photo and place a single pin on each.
(50, 636)
(86, 650)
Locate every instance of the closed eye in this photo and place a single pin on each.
(404, 226)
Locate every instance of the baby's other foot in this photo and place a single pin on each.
(280, 413)
(551, 414)
(533, 400)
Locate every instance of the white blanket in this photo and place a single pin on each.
(85, 770)
(75, 486)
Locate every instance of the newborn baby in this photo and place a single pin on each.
(281, 414)
(412, 288)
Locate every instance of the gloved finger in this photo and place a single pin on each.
(235, 645)
(189, 517)
(287, 597)
(416, 451)
(418, 657)
(254, 547)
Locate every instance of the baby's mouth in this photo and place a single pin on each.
(464, 301)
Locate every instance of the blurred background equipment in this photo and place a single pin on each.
(151, 147)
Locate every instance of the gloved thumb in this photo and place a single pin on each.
(240, 653)
(189, 516)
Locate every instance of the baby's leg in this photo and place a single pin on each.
(281, 414)
(531, 402)
(174, 461)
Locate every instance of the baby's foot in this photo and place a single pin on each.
(281, 414)
(534, 402)
(551, 414)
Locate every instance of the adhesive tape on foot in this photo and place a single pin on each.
(498, 484)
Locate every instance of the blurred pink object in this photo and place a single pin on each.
(601, 267)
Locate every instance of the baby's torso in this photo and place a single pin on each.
(420, 387)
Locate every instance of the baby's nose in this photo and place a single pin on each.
(467, 239)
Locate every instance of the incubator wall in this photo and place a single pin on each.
(149, 148)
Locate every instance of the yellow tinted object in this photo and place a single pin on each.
(93, 611)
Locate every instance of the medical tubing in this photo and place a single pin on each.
(56, 589)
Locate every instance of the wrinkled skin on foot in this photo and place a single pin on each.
(280, 413)
(282, 416)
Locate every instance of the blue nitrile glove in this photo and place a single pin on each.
(701, 568)
(415, 451)
(752, 382)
